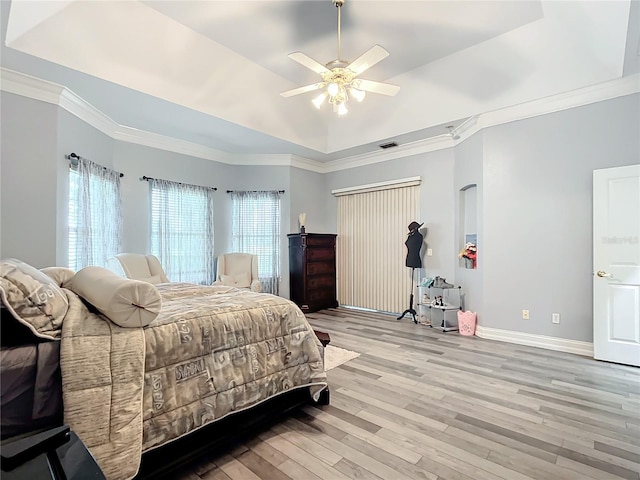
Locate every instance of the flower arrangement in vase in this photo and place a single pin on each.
(469, 253)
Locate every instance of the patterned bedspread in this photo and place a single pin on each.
(212, 351)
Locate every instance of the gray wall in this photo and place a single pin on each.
(306, 189)
(534, 180)
(536, 251)
(28, 169)
(468, 171)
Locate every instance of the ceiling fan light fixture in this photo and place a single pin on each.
(340, 78)
(319, 100)
(333, 89)
(357, 94)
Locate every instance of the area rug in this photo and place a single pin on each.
(335, 356)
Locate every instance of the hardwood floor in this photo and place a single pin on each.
(421, 404)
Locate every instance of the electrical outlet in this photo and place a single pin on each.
(429, 252)
(525, 314)
(555, 318)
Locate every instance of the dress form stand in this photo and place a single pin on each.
(410, 310)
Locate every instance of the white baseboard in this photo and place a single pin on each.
(533, 340)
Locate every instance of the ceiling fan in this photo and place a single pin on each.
(340, 78)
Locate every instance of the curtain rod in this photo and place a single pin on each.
(74, 157)
(144, 177)
(255, 191)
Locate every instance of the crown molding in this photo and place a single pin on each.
(86, 112)
(170, 144)
(431, 144)
(307, 164)
(32, 87)
(577, 98)
(275, 159)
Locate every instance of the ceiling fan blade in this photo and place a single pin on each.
(368, 59)
(308, 62)
(305, 89)
(377, 87)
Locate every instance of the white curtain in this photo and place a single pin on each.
(95, 214)
(370, 249)
(256, 230)
(182, 230)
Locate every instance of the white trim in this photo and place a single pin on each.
(170, 144)
(307, 164)
(563, 101)
(274, 159)
(38, 89)
(534, 340)
(432, 144)
(30, 87)
(86, 112)
(372, 187)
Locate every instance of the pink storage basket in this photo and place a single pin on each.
(467, 322)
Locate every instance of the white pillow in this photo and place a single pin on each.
(61, 275)
(242, 280)
(126, 302)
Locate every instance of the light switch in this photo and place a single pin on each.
(429, 252)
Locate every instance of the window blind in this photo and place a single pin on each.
(256, 230)
(182, 230)
(370, 249)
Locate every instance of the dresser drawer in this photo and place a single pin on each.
(320, 295)
(321, 281)
(318, 268)
(318, 254)
(320, 241)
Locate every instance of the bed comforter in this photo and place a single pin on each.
(212, 351)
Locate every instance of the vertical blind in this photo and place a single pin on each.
(95, 214)
(370, 249)
(256, 230)
(182, 230)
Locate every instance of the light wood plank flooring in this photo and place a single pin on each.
(422, 404)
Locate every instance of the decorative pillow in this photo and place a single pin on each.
(242, 280)
(61, 275)
(126, 302)
(33, 298)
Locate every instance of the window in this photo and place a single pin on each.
(95, 214)
(182, 230)
(256, 230)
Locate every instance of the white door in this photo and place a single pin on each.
(616, 265)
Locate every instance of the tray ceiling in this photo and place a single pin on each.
(210, 72)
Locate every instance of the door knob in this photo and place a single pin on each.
(603, 274)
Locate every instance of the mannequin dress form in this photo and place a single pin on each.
(414, 244)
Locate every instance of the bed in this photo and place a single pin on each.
(142, 367)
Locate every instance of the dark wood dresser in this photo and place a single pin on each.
(312, 270)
